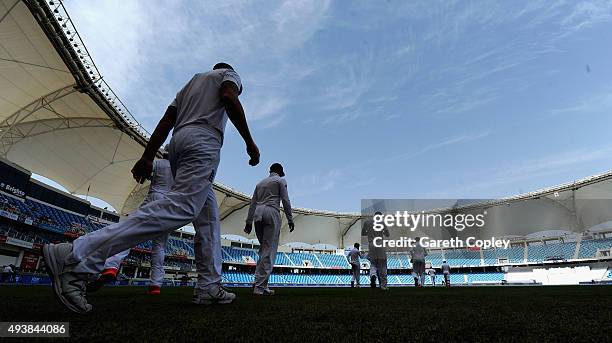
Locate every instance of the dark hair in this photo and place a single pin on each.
(356, 245)
(222, 65)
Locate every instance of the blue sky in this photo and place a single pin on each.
(380, 99)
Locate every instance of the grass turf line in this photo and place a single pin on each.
(561, 313)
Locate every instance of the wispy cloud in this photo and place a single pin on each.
(316, 182)
(156, 59)
(485, 180)
(593, 104)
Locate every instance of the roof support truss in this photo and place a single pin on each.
(15, 133)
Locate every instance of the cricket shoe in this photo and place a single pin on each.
(264, 291)
(154, 290)
(108, 275)
(216, 294)
(384, 288)
(69, 287)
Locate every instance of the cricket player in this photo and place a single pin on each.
(418, 262)
(161, 181)
(353, 257)
(198, 116)
(446, 271)
(377, 254)
(373, 273)
(265, 212)
(432, 275)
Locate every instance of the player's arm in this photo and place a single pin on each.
(284, 194)
(143, 168)
(229, 97)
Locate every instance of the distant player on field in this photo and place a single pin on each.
(161, 181)
(377, 254)
(264, 211)
(353, 257)
(373, 273)
(432, 275)
(446, 271)
(418, 262)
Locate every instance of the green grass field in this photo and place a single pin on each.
(517, 314)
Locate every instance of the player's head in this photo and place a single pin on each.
(222, 65)
(278, 169)
(444, 261)
(356, 245)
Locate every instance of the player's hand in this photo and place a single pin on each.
(253, 152)
(291, 227)
(248, 228)
(142, 170)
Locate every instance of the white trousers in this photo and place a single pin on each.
(268, 232)
(381, 270)
(373, 270)
(158, 252)
(194, 158)
(356, 270)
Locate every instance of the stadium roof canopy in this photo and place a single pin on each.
(60, 119)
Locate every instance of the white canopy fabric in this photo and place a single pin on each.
(58, 118)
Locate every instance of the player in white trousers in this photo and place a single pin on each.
(377, 254)
(432, 275)
(373, 273)
(446, 272)
(198, 116)
(418, 254)
(264, 211)
(353, 258)
(161, 182)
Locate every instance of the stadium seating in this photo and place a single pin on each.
(435, 258)
(486, 277)
(539, 253)
(333, 261)
(240, 255)
(462, 257)
(513, 255)
(301, 259)
(55, 224)
(179, 247)
(235, 277)
(45, 216)
(589, 248)
(282, 260)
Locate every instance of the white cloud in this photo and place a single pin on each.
(147, 49)
(317, 182)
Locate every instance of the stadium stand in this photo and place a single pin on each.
(512, 255)
(461, 258)
(590, 247)
(556, 251)
(333, 261)
(32, 220)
